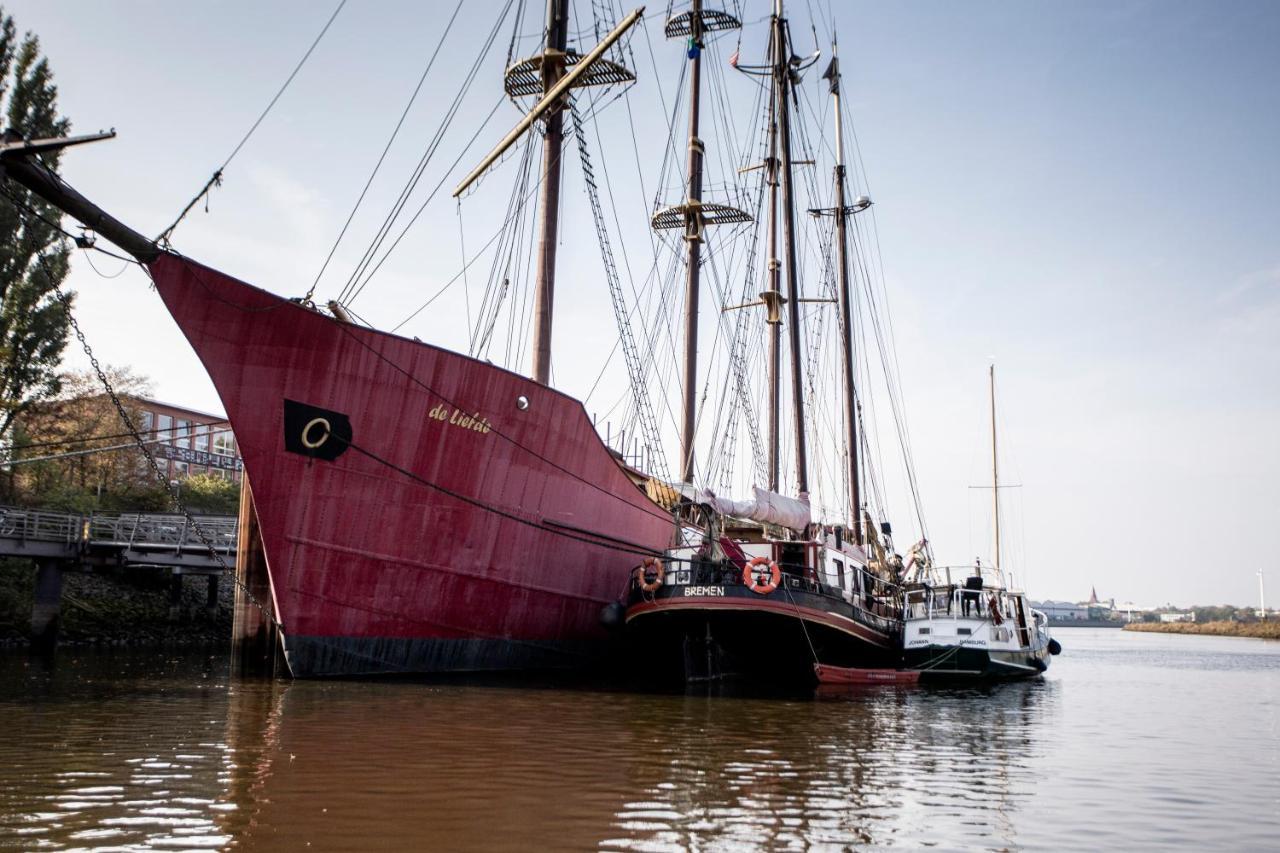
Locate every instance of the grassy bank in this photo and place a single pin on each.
(1258, 630)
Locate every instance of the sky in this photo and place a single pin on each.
(1084, 193)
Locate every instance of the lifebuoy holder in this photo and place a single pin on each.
(754, 577)
(642, 574)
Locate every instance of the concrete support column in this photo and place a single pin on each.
(211, 598)
(46, 610)
(175, 596)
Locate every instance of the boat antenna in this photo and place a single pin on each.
(693, 215)
(995, 470)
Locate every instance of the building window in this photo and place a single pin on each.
(181, 429)
(164, 424)
(224, 443)
(146, 420)
(178, 469)
(202, 438)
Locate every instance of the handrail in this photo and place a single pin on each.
(129, 530)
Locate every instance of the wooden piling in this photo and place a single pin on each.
(211, 597)
(254, 638)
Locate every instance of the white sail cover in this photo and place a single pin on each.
(768, 507)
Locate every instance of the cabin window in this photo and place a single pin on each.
(964, 630)
(924, 631)
(792, 557)
(839, 573)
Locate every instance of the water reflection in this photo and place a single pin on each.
(856, 767)
(130, 751)
(110, 751)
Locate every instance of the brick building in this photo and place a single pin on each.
(188, 441)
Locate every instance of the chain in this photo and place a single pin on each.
(161, 477)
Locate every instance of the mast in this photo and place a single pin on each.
(782, 90)
(693, 241)
(995, 469)
(774, 301)
(693, 216)
(846, 311)
(549, 205)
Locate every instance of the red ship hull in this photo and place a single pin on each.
(455, 531)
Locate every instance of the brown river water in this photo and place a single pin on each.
(1131, 741)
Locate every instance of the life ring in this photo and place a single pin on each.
(752, 578)
(642, 573)
(994, 607)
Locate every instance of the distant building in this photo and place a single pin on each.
(185, 441)
(1129, 612)
(1062, 611)
(1178, 616)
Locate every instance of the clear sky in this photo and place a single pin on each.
(1085, 192)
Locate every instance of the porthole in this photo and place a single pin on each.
(522, 403)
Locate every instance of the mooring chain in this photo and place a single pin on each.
(163, 479)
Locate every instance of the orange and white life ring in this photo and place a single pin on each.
(642, 574)
(755, 578)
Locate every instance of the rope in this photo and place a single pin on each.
(84, 440)
(90, 451)
(216, 179)
(65, 301)
(803, 627)
(383, 156)
(623, 545)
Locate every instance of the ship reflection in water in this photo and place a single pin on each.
(134, 751)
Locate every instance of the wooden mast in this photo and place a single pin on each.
(693, 215)
(549, 205)
(774, 300)
(782, 92)
(693, 241)
(846, 310)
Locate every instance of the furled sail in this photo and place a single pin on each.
(767, 507)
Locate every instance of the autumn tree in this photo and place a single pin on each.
(62, 452)
(33, 327)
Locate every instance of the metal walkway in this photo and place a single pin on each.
(119, 538)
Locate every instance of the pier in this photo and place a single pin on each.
(60, 542)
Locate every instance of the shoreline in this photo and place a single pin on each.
(1253, 630)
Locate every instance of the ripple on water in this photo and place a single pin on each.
(163, 756)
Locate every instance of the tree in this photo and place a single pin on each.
(211, 494)
(83, 418)
(33, 327)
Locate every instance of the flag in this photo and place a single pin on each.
(733, 60)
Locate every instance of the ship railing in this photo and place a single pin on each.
(948, 602)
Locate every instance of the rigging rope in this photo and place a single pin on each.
(635, 370)
(383, 156)
(216, 178)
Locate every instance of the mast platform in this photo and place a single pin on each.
(709, 21)
(525, 78)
